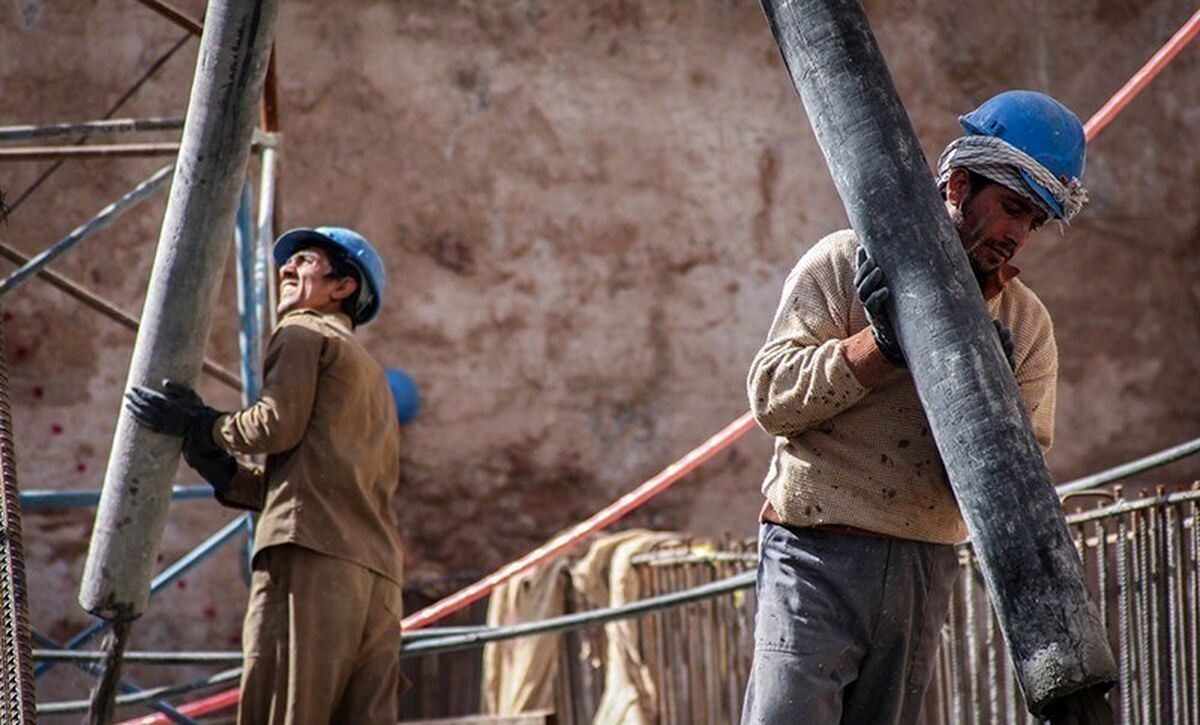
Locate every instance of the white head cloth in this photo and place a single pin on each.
(999, 161)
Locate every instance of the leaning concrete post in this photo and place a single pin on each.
(183, 288)
(1055, 638)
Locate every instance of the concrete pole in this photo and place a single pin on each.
(182, 293)
(1056, 640)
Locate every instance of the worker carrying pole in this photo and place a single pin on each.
(322, 629)
(182, 292)
(904, 353)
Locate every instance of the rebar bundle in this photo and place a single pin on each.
(16, 658)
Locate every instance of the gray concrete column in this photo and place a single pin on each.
(182, 293)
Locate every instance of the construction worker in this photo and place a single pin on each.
(857, 539)
(322, 630)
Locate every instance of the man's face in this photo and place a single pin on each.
(993, 221)
(307, 282)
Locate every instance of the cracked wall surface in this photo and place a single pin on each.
(587, 210)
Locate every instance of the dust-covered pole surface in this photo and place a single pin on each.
(1054, 635)
(184, 283)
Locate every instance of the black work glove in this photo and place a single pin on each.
(873, 294)
(1006, 344)
(177, 411)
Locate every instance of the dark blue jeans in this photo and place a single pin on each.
(847, 626)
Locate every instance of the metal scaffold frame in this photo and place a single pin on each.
(253, 233)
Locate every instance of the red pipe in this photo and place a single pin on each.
(1139, 80)
(599, 520)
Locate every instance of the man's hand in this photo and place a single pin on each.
(873, 293)
(177, 411)
(1006, 343)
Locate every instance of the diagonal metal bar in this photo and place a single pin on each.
(164, 579)
(108, 309)
(175, 15)
(116, 106)
(59, 708)
(1125, 470)
(120, 125)
(58, 500)
(89, 666)
(94, 151)
(102, 219)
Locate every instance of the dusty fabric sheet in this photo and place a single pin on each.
(605, 577)
(519, 674)
(523, 674)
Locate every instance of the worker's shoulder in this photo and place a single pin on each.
(839, 244)
(1021, 302)
(313, 325)
(834, 250)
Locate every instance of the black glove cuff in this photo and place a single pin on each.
(890, 350)
(218, 467)
(199, 434)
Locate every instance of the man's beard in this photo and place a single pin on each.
(969, 244)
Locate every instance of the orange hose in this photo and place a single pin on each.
(597, 521)
(1144, 75)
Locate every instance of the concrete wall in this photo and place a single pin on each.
(587, 209)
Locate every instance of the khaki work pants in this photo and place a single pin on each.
(321, 641)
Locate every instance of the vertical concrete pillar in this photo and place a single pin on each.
(183, 288)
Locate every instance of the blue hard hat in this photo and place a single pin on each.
(1041, 127)
(356, 250)
(404, 392)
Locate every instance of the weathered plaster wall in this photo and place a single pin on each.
(587, 209)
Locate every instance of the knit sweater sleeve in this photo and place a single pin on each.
(800, 377)
(1037, 375)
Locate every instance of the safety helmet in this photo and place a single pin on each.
(355, 249)
(404, 394)
(1041, 127)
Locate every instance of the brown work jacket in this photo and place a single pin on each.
(327, 423)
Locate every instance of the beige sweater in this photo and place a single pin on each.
(851, 456)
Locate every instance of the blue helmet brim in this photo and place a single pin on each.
(1043, 194)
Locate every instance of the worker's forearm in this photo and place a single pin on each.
(793, 387)
(865, 360)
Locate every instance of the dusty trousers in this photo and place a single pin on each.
(847, 626)
(321, 641)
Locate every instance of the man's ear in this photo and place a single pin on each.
(344, 288)
(958, 186)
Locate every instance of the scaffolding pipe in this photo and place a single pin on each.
(165, 578)
(1057, 642)
(116, 106)
(60, 500)
(264, 277)
(249, 312)
(1132, 468)
(182, 292)
(118, 125)
(126, 686)
(249, 335)
(102, 219)
(93, 151)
